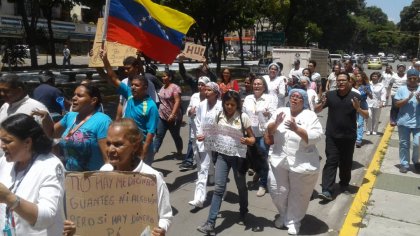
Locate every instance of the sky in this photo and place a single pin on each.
(390, 7)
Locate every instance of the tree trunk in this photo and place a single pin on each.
(30, 30)
(220, 41)
(241, 47)
(48, 15)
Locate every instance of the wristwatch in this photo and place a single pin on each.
(15, 204)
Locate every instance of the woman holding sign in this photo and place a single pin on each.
(294, 161)
(230, 154)
(259, 107)
(123, 143)
(31, 180)
(206, 113)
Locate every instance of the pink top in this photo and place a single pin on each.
(167, 101)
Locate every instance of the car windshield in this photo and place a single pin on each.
(374, 59)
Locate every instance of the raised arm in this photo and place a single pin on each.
(110, 76)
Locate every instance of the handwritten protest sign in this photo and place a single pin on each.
(194, 51)
(224, 139)
(111, 203)
(116, 52)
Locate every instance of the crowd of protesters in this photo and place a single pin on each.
(268, 129)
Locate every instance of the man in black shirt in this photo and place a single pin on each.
(343, 106)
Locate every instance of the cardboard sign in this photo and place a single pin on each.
(194, 51)
(111, 203)
(224, 139)
(116, 52)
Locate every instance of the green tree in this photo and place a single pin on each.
(410, 27)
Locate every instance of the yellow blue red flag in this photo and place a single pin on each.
(154, 29)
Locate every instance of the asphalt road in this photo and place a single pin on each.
(321, 219)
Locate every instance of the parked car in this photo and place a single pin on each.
(335, 58)
(358, 58)
(375, 63)
(390, 58)
(403, 57)
(384, 60)
(346, 57)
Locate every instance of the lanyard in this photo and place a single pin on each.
(72, 131)
(10, 223)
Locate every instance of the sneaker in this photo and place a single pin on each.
(368, 133)
(374, 133)
(250, 172)
(403, 169)
(279, 222)
(325, 195)
(186, 166)
(207, 228)
(293, 229)
(261, 191)
(196, 204)
(358, 145)
(393, 124)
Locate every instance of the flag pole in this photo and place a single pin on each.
(105, 25)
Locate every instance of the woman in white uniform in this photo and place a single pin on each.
(206, 114)
(31, 180)
(123, 144)
(294, 162)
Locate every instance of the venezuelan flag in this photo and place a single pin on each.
(154, 29)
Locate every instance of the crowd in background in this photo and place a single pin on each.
(271, 120)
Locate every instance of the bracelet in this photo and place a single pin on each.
(15, 204)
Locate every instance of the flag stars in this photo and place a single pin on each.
(144, 19)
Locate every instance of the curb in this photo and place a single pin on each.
(355, 215)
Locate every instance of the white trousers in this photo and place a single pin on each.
(291, 193)
(205, 167)
(373, 120)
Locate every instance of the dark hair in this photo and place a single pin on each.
(151, 68)
(313, 62)
(231, 94)
(142, 80)
(344, 73)
(24, 126)
(93, 91)
(375, 73)
(265, 85)
(365, 79)
(310, 73)
(131, 61)
(13, 81)
(221, 73)
(359, 67)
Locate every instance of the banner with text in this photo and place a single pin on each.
(116, 52)
(194, 51)
(224, 139)
(111, 203)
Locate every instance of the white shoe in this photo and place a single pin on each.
(368, 133)
(196, 204)
(279, 222)
(374, 133)
(293, 229)
(261, 191)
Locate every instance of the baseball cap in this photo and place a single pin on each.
(45, 76)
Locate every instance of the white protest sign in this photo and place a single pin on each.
(194, 51)
(111, 203)
(224, 139)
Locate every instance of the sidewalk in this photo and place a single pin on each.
(388, 202)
